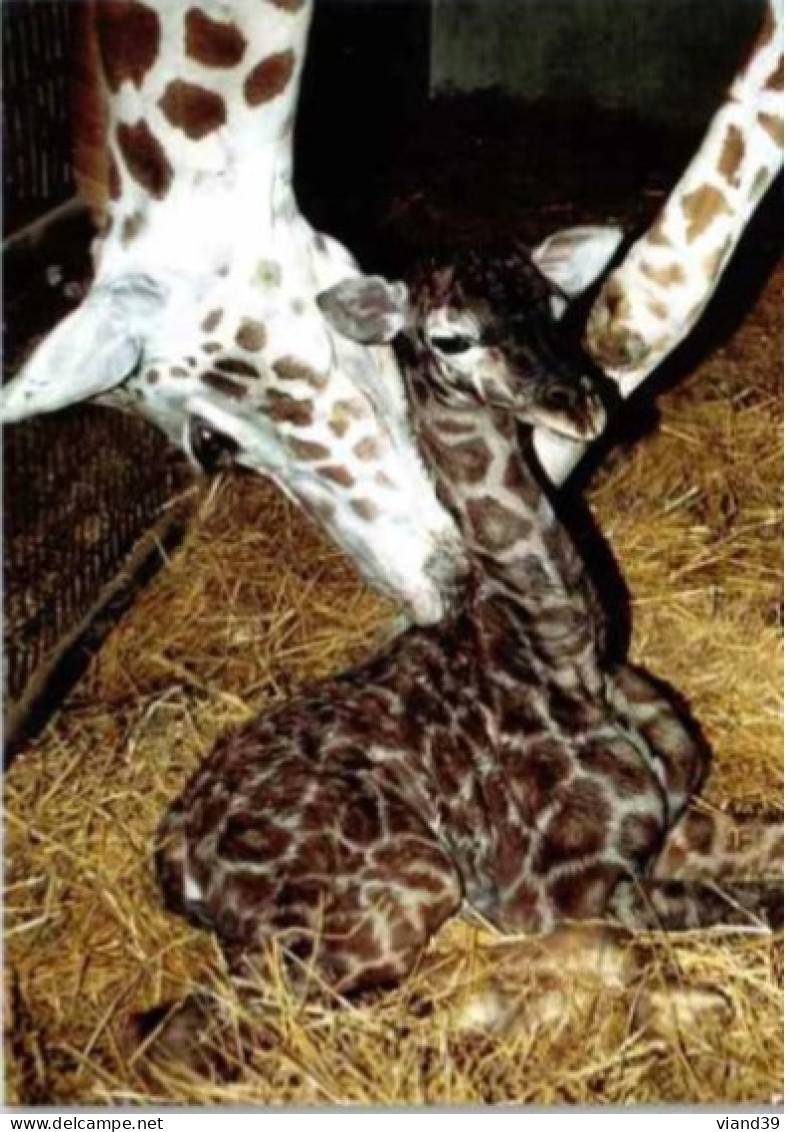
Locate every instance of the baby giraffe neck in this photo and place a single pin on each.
(525, 559)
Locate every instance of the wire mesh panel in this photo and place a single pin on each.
(37, 39)
(80, 491)
(86, 492)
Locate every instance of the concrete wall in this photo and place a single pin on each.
(669, 60)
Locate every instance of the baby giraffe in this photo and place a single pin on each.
(496, 761)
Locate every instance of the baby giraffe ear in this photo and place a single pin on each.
(573, 258)
(366, 308)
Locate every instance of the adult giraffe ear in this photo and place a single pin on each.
(573, 258)
(90, 352)
(366, 308)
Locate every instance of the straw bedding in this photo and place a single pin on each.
(253, 604)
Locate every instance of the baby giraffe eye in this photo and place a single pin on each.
(452, 343)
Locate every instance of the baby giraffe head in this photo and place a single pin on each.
(486, 329)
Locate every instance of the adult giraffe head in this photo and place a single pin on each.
(202, 313)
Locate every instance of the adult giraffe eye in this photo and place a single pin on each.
(452, 343)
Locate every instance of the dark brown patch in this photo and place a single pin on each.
(584, 893)
(179, 371)
(535, 779)
(453, 427)
(128, 34)
(731, 156)
(145, 158)
(699, 829)
(579, 827)
(269, 78)
(469, 462)
(224, 384)
(291, 369)
(211, 321)
(288, 5)
(152, 376)
(776, 80)
(365, 508)
(281, 407)
(639, 837)
(495, 527)
(213, 42)
(212, 347)
(131, 227)
(701, 207)
(192, 108)
(113, 176)
(235, 365)
(626, 776)
(368, 448)
(307, 449)
(773, 126)
(251, 335)
(337, 474)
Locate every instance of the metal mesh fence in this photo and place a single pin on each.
(84, 491)
(36, 107)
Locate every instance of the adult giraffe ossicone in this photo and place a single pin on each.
(202, 313)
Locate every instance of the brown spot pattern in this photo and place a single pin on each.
(640, 836)
(658, 309)
(776, 80)
(192, 108)
(269, 78)
(211, 321)
(367, 449)
(364, 508)
(213, 42)
(236, 366)
(113, 176)
(281, 407)
(223, 384)
(731, 156)
(762, 180)
(469, 462)
(307, 449)
(495, 526)
(131, 227)
(773, 126)
(288, 5)
(251, 335)
(337, 474)
(145, 158)
(342, 415)
(128, 34)
(701, 207)
(291, 369)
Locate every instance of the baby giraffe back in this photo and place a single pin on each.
(496, 760)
